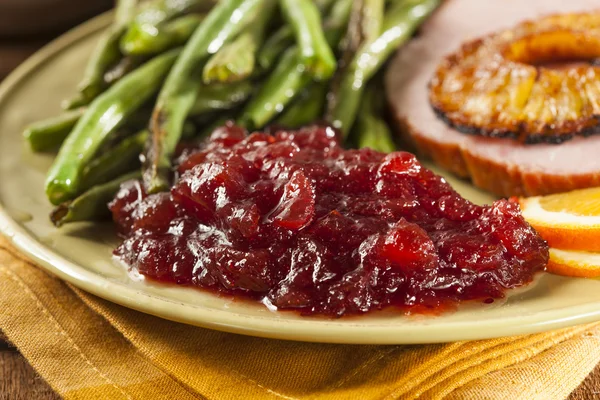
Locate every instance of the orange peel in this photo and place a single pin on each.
(580, 264)
(567, 221)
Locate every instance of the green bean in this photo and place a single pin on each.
(337, 21)
(121, 158)
(55, 137)
(235, 61)
(124, 12)
(286, 81)
(372, 130)
(179, 92)
(283, 38)
(398, 26)
(106, 53)
(135, 122)
(324, 5)
(48, 134)
(91, 205)
(122, 68)
(147, 27)
(217, 97)
(274, 46)
(166, 36)
(307, 108)
(305, 20)
(289, 76)
(372, 19)
(75, 102)
(353, 37)
(364, 25)
(103, 116)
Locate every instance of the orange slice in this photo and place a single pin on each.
(574, 263)
(569, 221)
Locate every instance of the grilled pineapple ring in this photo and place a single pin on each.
(502, 86)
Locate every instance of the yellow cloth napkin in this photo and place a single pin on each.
(88, 348)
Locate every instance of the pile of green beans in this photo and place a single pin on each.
(167, 71)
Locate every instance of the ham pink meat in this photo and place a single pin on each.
(502, 166)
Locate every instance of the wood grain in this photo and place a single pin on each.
(589, 388)
(18, 380)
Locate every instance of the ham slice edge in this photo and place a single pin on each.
(521, 169)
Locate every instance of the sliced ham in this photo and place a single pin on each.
(501, 166)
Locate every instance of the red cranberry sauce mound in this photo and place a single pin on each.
(295, 220)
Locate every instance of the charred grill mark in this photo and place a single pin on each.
(548, 106)
(151, 163)
(547, 137)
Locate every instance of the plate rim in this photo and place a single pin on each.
(329, 331)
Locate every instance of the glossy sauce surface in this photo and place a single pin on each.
(296, 221)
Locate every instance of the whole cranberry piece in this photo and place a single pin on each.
(126, 203)
(296, 209)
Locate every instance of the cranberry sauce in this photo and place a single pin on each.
(295, 220)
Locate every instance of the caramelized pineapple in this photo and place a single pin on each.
(537, 82)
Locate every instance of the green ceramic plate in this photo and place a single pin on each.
(81, 254)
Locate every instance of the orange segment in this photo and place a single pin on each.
(574, 263)
(585, 202)
(569, 221)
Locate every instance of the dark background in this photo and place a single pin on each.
(26, 25)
